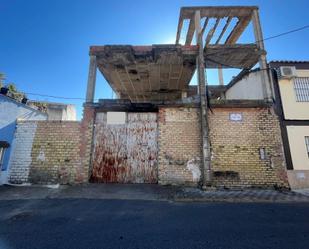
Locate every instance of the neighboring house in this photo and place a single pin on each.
(292, 93)
(247, 85)
(11, 111)
(55, 111)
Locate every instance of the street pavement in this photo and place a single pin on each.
(148, 192)
(100, 223)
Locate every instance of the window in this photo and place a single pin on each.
(307, 144)
(116, 118)
(1, 156)
(3, 146)
(301, 88)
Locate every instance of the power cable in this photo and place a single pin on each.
(285, 33)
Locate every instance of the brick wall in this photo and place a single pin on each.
(85, 146)
(55, 152)
(179, 146)
(47, 152)
(60, 152)
(235, 148)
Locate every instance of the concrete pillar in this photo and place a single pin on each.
(184, 94)
(262, 61)
(200, 64)
(91, 79)
(220, 74)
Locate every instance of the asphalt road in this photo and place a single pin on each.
(82, 223)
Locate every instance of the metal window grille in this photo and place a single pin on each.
(301, 87)
(1, 156)
(307, 144)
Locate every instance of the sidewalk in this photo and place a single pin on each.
(147, 192)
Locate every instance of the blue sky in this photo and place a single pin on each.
(44, 44)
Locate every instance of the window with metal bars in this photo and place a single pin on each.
(301, 87)
(1, 156)
(3, 146)
(307, 144)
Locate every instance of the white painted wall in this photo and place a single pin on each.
(61, 112)
(291, 108)
(70, 113)
(10, 111)
(250, 87)
(21, 154)
(296, 135)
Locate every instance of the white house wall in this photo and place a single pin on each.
(250, 87)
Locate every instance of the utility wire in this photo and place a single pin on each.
(285, 33)
(55, 97)
(265, 39)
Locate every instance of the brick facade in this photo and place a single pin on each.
(48, 152)
(85, 146)
(179, 146)
(60, 152)
(235, 147)
(55, 152)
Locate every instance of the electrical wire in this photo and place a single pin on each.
(285, 33)
(55, 97)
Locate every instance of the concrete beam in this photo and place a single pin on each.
(91, 79)
(268, 95)
(220, 74)
(190, 33)
(238, 30)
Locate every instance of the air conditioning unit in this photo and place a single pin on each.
(287, 72)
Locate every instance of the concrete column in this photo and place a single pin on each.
(220, 74)
(91, 79)
(262, 61)
(200, 64)
(184, 94)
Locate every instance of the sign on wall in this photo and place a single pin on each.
(236, 117)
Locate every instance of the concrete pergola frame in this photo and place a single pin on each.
(244, 15)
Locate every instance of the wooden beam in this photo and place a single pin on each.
(228, 21)
(190, 32)
(237, 31)
(212, 31)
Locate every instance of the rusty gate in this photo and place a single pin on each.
(125, 153)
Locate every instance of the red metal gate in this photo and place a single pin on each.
(126, 153)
